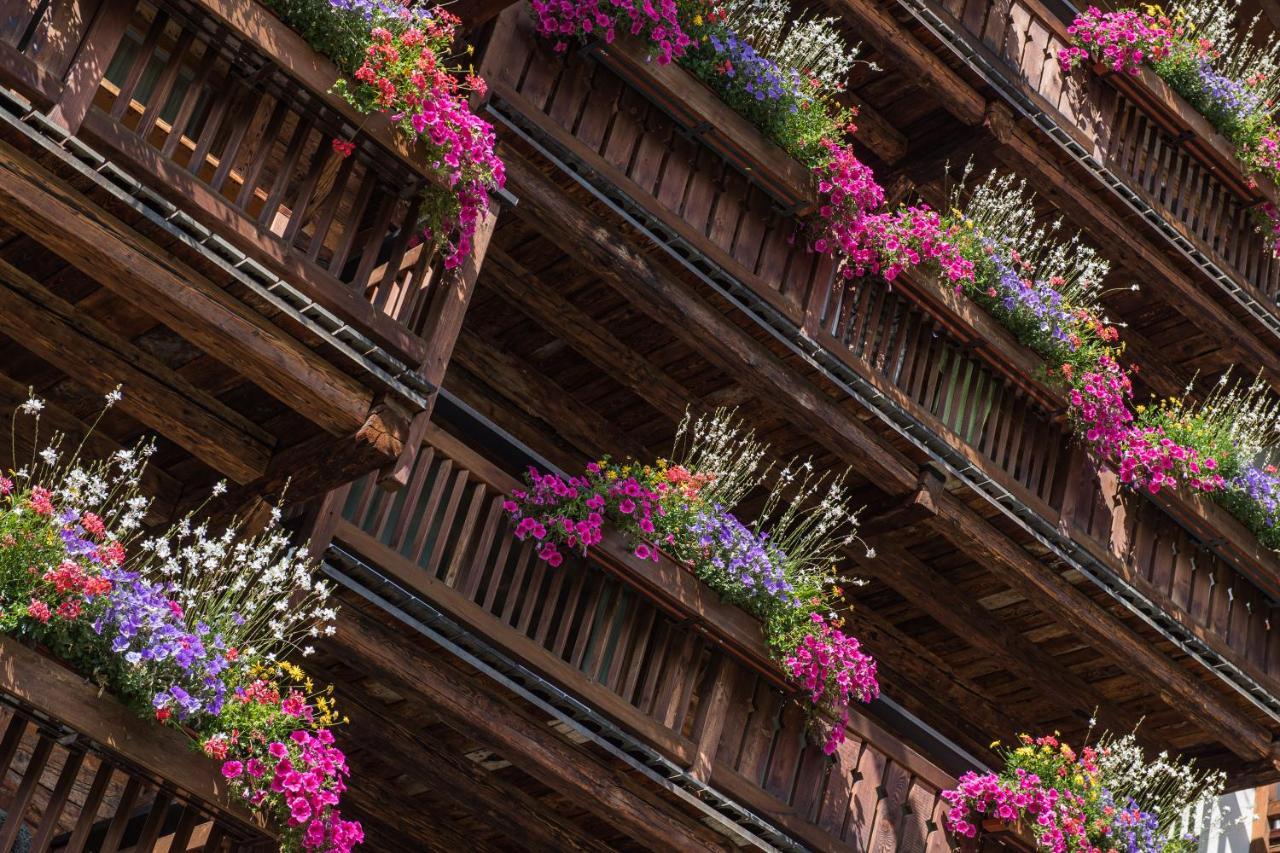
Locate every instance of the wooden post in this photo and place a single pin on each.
(717, 689)
(442, 326)
(91, 61)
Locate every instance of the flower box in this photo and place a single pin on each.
(48, 687)
(1014, 835)
(1192, 129)
(691, 103)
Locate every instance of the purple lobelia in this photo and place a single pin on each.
(180, 668)
(742, 556)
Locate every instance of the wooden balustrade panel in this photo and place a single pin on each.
(608, 124)
(1167, 563)
(448, 524)
(242, 146)
(1130, 141)
(892, 337)
(61, 794)
(579, 621)
(47, 32)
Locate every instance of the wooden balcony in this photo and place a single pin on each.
(82, 772)
(933, 358)
(228, 114)
(646, 645)
(267, 301)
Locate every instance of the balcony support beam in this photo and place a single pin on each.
(158, 396)
(661, 294)
(153, 280)
(472, 706)
(317, 465)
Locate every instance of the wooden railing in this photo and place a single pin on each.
(646, 644)
(933, 355)
(226, 113)
(79, 771)
(1138, 129)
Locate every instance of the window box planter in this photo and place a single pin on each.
(1014, 835)
(53, 691)
(691, 103)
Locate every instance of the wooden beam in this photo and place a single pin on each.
(592, 339)
(158, 396)
(919, 506)
(875, 132)
(875, 24)
(586, 428)
(661, 294)
(317, 465)
(108, 250)
(477, 709)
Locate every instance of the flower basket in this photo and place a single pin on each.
(695, 106)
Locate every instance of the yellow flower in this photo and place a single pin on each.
(697, 20)
(994, 744)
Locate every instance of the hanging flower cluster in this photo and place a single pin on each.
(1071, 802)
(1123, 40)
(1228, 73)
(832, 667)
(397, 60)
(1147, 456)
(781, 568)
(277, 752)
(181, 626)
(658, 25)
(570, 513)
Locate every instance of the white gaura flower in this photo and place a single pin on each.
(33, 406)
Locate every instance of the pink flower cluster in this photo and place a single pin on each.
(1060, 822)
(309, 774)
(1123, 39)
(870, 240)
(402, 74)
(658, 24)
(570, 513)
(1144, 456)
(833, 668)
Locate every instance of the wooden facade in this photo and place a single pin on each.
(174, 218)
